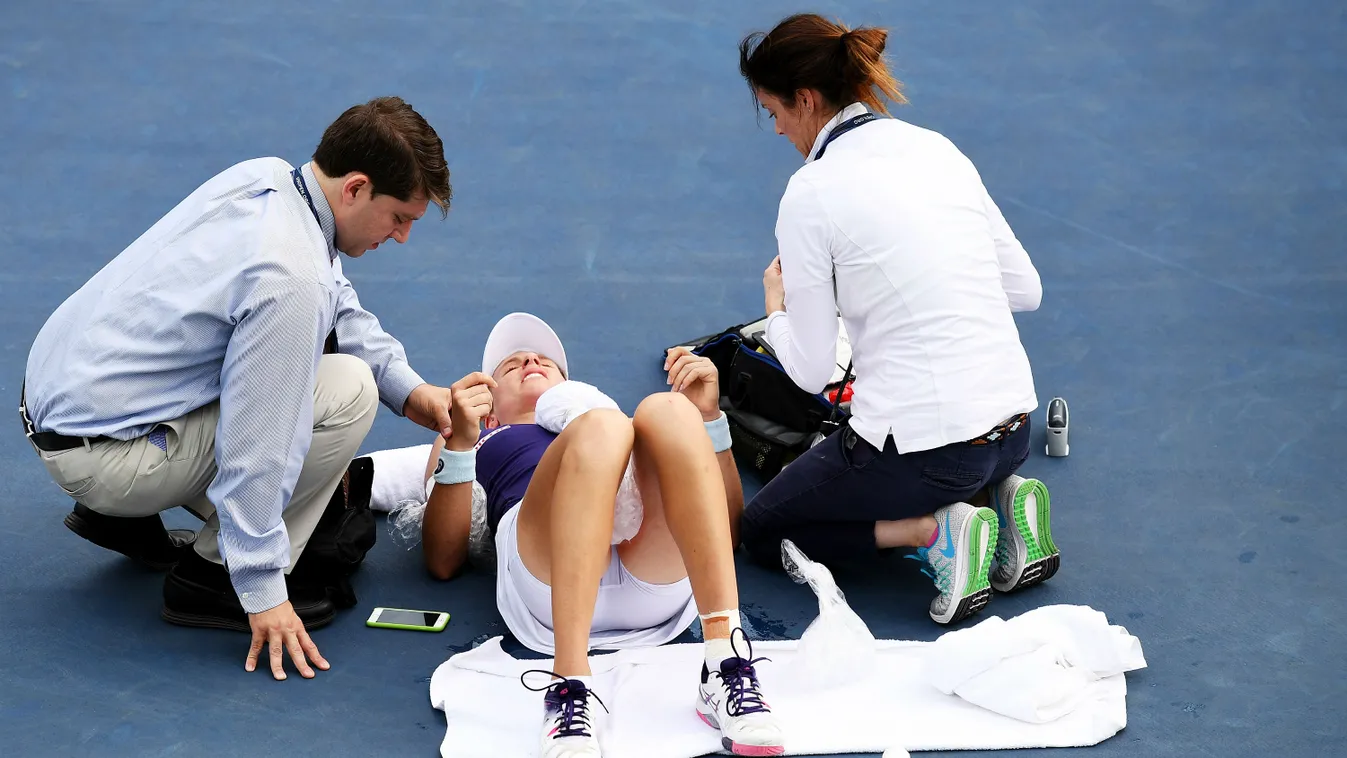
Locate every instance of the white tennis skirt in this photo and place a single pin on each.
(628, 613)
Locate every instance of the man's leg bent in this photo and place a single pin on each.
(120, 487)
(345, 401)
(198, 591)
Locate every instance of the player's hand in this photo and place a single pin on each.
(697, 378)
(471, 403)
(279, 629)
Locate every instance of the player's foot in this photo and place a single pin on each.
(573, 718)
(731, 701)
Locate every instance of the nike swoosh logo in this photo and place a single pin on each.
(948, 549)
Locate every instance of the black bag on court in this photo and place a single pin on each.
(345, 533)
(772, 421)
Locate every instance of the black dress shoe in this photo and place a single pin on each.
(199, 593)
(143, 539)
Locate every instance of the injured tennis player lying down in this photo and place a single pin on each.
(577, 566)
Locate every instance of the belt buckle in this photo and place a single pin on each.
(28, 429)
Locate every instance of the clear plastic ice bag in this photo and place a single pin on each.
(404, 524)
(838, 646)
(481, 548)
(629, 510)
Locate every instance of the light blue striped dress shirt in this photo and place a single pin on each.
(228, 297)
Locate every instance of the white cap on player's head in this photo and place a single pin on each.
(520, 332)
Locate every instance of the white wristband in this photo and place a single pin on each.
(720, 433)
(456, 467)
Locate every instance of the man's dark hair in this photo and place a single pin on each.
(391, 143)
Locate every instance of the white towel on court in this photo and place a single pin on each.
(1047, 657)
(1052, 677)
(399, 475)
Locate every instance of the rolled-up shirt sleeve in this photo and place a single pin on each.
(804, 335)
(264, 433)
(359, 334)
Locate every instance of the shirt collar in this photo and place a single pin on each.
(849, 112)
(325, 218)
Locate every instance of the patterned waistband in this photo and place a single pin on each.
(1003, 429)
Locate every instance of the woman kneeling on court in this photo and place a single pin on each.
(890, 225)
(567, 580)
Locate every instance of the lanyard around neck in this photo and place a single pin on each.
(303, 188)
(843, 128)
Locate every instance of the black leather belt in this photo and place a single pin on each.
(51, 442)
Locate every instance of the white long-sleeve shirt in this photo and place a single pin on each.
(894, 230)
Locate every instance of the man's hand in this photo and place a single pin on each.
(280, 627)
(697, 378)
(428, 406)
(471, 404)
(774, 290)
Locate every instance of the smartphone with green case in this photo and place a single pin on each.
(403, 618)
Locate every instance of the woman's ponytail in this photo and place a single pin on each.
(864, 70)
(806, 51)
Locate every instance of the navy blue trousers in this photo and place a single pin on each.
(828, 500)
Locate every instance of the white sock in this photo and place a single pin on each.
(717, 650)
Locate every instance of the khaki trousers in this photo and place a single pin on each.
(136, 478)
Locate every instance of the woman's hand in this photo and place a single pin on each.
(773, 288)
(696, 377)
(471, 403)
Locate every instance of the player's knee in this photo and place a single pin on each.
(664, 411)
(602, 429)
(598, 443)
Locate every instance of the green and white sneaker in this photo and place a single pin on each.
(961, 558)
(1025, 553)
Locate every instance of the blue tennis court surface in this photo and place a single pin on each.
(1176, 170)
